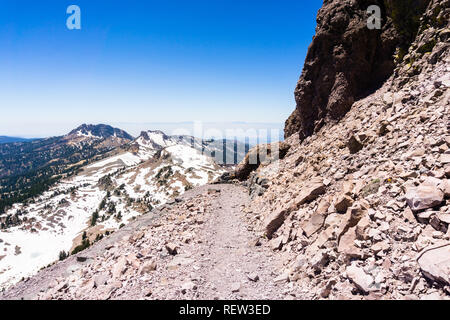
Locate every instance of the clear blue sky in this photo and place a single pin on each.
(149, 61)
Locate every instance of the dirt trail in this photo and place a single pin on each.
(222, 262)
(227, 257)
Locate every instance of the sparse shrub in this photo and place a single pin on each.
(371, 188)
(94, 218)
(85, 243)
(63, 255)
(98, 237)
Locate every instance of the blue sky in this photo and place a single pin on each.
(149, 61)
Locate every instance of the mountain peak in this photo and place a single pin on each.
(149, 133)
(100, 131)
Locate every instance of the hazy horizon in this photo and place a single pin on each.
(251, 131)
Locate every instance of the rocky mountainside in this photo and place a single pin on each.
(347, 61)
(354, 206)
(360, 208)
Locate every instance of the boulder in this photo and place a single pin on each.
(101, 279)
(360, 279)
(435, 263)
(343, 203)
(347, 245)
(447, 170)
(274, 221)
(172, 249)
(310, 192)
(276, 244)
(319, 260)
(316, 222)
(380, 246)
(283, 278)
(444, 218)
(445, 187)
(261, 154)
(409, 215)
(351, 218)
(253, 277)
(235, 287)
(119, 268)
(354, 144)
(425, 196)
(445, 158)
(419, 152)
(362, 228)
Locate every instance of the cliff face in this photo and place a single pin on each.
(347, 61)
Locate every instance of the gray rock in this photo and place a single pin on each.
(362, 280)
(148, 267)
(235, 287)
(354, 144)
(424, 197)
(253, 277)
(172, 248)
(188, 286)
(435, 263)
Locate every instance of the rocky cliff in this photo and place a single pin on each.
(347, 61)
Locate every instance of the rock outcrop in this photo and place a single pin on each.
(260, 155)
(435, 263)
(347, 61)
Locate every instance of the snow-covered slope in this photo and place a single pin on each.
(147, 173)
(223, 151)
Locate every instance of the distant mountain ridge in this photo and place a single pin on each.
(31, 167)
(7, 139)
